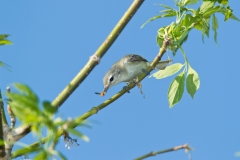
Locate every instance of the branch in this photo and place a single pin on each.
(93, 61)
(2, 146)
(185, 146)
(95, 58)
(158, 58)
(4, 119)
(94, 110)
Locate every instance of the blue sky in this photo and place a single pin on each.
(53, 40)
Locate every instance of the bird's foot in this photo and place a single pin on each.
(139, 85)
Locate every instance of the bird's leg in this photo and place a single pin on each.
(139, 85)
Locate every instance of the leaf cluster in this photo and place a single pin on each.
(40, 116)
(4, 41)
(178, 32)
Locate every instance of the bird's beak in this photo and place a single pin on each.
(104, 90)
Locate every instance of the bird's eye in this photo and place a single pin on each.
(111, 79)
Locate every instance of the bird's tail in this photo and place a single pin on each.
(162, 64)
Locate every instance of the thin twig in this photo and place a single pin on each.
(10, 112)
(185, 146)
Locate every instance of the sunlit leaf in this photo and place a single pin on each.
(189, 20)
(192, 81)
(41, 155)
(190, 2)
(164, 6)
(210, 12)
(170, 13)
(215, 26)
(206, 5)
(5, 42)
(224, 2)
(175, 90)
(168, 71)
(228, 13)
(26, 90)
(234, 17)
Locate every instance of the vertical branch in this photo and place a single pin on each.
(10, 112)
(3, 116)
(2, 146)
(95, 58)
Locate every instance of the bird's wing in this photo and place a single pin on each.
(134, 58)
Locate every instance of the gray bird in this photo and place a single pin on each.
(127, 69)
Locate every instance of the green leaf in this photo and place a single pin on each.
(49, 108)
(168, 71)
(3, 36)
(77, 133)
(175, 90)
(2, 64)
(228, 13)
(211, 11)
(168, 13)
(215, 26)
(189, 2)
(164, 6)
(234, 17)
(192, 81)
(4, 42)
(206, 5)
(189, 20)
(41, 155)
(224, 2)
(26, 90)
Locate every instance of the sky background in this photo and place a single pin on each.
(53, 40)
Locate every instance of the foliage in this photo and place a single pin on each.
(4, 41)
(26, 106)
(178, 31)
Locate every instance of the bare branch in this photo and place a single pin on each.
(185, 146)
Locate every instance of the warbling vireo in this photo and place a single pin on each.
(127, 69)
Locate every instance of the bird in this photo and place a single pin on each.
(127, 69)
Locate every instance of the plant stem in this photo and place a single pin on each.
(185, 146)
(2, 122)
(95, 58)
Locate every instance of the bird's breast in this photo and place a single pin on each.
(134, 70)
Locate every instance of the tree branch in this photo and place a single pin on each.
(95, 58)
(94, 110)
(2, 114)
(185, 146)
(93, 61)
